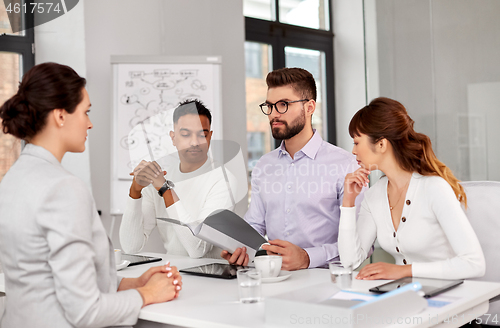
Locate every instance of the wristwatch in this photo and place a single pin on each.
(166, 186)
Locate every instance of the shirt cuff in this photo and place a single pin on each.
(134, 204)
(347, 217)
(178, 212)
(138, 300)
(118, 281)
(427, 270)
(134, 305)
(317, 257)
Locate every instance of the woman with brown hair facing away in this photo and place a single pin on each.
(58, 262)
(413, 211)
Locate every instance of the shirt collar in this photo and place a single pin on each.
(282, 149)
(40, 152)
(310, 149)
(206, 167)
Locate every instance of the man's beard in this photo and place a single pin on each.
(296, 126)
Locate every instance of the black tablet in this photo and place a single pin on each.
(139, 259)
(430, 287)
(214, 270)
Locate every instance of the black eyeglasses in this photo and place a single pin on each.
(281, 106)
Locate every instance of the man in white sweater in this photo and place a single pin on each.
(200, 189)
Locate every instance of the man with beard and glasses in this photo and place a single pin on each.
(187, 189)
(297, 189)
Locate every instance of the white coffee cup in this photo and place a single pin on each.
(118, 256)
(269, 265)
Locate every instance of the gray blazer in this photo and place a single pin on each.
(57, 259)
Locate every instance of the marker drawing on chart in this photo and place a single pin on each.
(148, 96)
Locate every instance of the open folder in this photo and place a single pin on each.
(226, 230)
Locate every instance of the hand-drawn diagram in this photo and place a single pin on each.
(148, 95)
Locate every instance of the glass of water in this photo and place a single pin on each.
(249, 285)
(341, 275)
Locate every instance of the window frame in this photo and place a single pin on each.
(21, 44)
(280, 35)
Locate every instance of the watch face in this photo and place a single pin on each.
(167, 185)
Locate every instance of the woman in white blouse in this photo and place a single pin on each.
(414, 211)
(57, 259)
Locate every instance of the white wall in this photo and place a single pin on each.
(62, 40)
(349, 65)
(154, 27)
(405, 58)
(432, 55)
(483, 120)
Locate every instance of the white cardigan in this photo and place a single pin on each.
(434, 235)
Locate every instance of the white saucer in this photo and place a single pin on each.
(282, 276)
(122, 265)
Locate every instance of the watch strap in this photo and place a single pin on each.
(167, 185)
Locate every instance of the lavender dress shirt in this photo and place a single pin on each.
(299, 199)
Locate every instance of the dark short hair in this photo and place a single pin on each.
(301, 81)
(43, 88)
(198, 108)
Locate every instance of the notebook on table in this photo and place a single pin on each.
(139, 259)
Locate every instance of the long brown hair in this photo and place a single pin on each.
(386, 118)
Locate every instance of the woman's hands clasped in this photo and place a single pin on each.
(159, 284)
(353, 184)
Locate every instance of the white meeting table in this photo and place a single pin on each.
(209, 302)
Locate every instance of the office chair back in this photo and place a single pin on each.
(2, 297)
(483, 212)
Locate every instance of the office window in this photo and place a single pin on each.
(5, 24)
(314, 62)
(287, 33)
(262, 9)
(258, 64)
(306, 13)
(256, 145)
(10, 147)
(16, 57)
(255, 53)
